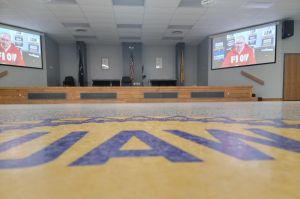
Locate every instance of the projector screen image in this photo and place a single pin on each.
(250, 46)
(20, 48)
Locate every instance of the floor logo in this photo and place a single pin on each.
(228, 142)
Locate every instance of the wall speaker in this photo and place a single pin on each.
(287, 28)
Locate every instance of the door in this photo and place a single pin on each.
(291, 77)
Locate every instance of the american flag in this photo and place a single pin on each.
(131, 66)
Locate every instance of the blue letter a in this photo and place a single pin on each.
(229, 143)
(233, 144)
(111, 148)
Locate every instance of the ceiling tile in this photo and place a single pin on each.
(190, 3)
(129, 20)
(108, 26)
(180, 27)
(162, 3)
(135, 26)
(181, 21)
(127, 10)
(157, 21)
(106, 3)
(156, 35)
(153, 11)
(61, 8)
(130, 38)
(128, 2)
(155, 17)
(129, 32)
(60, 2)
(76, 25)
(173, 38)
(97, 11)
(85, 36)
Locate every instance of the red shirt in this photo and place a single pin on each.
(11, 56)
(233, 58)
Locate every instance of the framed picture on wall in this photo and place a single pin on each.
(104, 63)
(158, 62)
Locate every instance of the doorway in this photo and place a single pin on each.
(291, 83)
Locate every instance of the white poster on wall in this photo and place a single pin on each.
(104, 64)
(158, 62)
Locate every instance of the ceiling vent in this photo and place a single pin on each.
(177, 32)
(80, 30)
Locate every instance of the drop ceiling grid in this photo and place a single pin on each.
(155, 15)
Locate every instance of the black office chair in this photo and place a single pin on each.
(126, 81)
(69, 81)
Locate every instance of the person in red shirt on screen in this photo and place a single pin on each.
(9, 53)
(240, 54)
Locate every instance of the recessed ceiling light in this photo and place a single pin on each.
(80, 30)
(177, 32)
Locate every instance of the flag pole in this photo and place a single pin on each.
(181, 69)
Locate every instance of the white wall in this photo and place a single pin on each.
(22, 77)
(272, 74)
(203, 62)
(115, 61)
(52, 59)
(68, 62)
(168, 58)
(292, 44)
(190, 66)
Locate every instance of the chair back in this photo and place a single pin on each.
(69, 81)
(126, 81)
